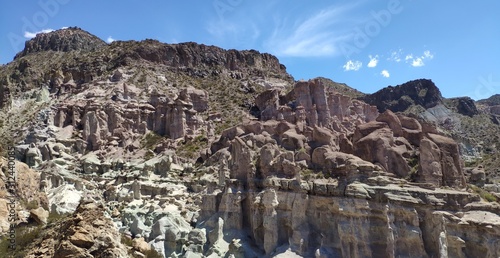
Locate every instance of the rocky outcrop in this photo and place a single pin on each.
(447, 168)
(313, 104)
(64, 40)
(115, 122)
(197, 59)
(88, 233)
(398, 98)
(342, 124)
(466, 106)
(366, 158)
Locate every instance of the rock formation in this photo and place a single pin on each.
(273, 199)
(133, 149)
(418, 92)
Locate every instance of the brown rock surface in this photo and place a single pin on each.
(87, 233)
(450, 161)
(26, 189)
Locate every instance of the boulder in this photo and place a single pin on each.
(40, 215)
(392, 120)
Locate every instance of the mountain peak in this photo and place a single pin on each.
(65, 40)
(421, 92)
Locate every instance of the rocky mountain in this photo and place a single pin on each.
(473, 124)
(147, 149)
(71, 39)
(422, 93)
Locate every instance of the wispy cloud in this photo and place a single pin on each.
(317, 35)
(373, 61)
(385, 73)
(110, 39)
(30, 35)
(352, 65)
(235, 34)
(428, 54)
(395, 56)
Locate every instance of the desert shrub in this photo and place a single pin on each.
(55, 217)
(191, 148)
(31, 205)
(24, 237)
(150, 140)
(483, 193)
(153, 254)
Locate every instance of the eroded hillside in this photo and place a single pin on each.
(185, 150)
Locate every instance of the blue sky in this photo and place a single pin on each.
(366, 44)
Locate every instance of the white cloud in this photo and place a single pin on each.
(30, 35)
(385, 73)
(352, 65)
(373, 61)
(417, 62)
(110, 39)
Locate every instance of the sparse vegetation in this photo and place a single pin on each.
(191, 148)
(24, 236)
(150, 140)
(413, 162)
(30, 205)
(483, 193)
(153, 254)
(307, 174)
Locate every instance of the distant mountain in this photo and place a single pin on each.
(491, 101)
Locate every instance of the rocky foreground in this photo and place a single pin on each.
(194, 151)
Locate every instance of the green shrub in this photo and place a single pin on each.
(31, 205)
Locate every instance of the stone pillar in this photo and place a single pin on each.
(136, 188)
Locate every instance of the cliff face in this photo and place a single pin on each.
(331, 191)
(190, 150)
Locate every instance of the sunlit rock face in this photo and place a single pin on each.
(363, 209)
